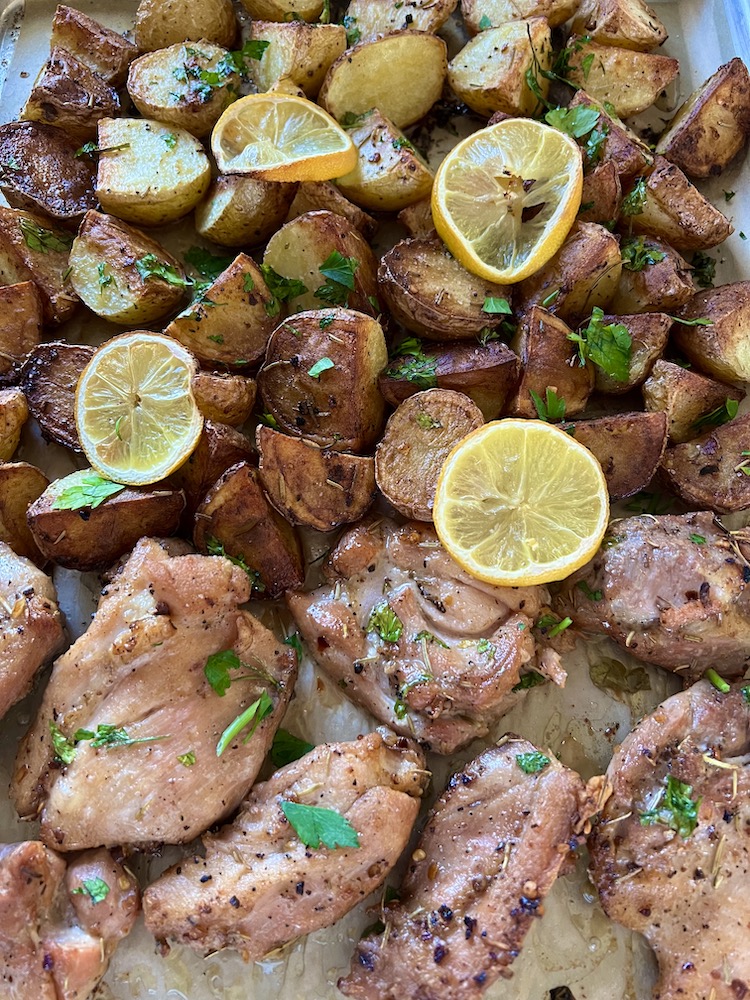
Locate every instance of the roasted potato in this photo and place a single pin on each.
(123, 275)
(104, 51)
(365, 21)
(161, 23)
(550, 361)
(615, 142)
(39, 172)
(488, 373)
(712, 126)
(666, 205)
(665, 284)
(722, 348)
(219, 447)
(649, 333)
(21, 326)
(32, 249)
(418, 437)
(149, 173)
(320, 378)
(401, 75)
(601, 195)
(629, 447)
(298, 52)
(171, 85)
(284, 10)
(243, 211)
(70, 96)
(49, 377)
(685, 397)
(417, 220)
(631, 24)
(492, 71)
(427, 291)
(476, 13)
(583, 273)
(227, 399)
(236, 519)
(323, 196)
(305, 247)
(89, 539)
(14, 412)
(709, 473)
(629, 80)
(316, 487)
(231, 323)
(20, 485)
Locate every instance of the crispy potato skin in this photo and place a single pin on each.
(323, 196)
(20, 485)
(556, 12)
(685, 397)
(20, 331)
(374, 19)
(14, 412)
(417, 220)
(104, 51)
(418, 438)
(664, 286)
(219, 447)
(631, 24)
(297, 53)
(49, 377)
(224, 398)
(601, 195)
(723, 348)
(161, 23)
(243, 211)
(311, 486)
(628, 79)
(706, 472)
(649, 333)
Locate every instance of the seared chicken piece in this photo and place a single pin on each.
(31, 628)
(140, 669)
(259, 887)
(674, 590)
(671, 854)
(490, 852)
(60, 924)
(409, 635)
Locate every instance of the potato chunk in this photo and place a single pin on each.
(14, 412)
(219, 447)
(721, 349)
(556, 12)
(324, 196)
(709, 472)
(685, 397)
(284, 10)
(615, 142)
(298, 52)
(20, 331)
(649, 333)
(243, 211)
(601, 195)
(20, 485)
(223, 397)
(161, 23)
(665, 284)
(631, 24)
(49, 377)
(104, 51)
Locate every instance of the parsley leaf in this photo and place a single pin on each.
(384, 620)
(64, 748)
(635, 201)
(252, 717)
(295, 641)
(323, 365)
(532, 763)
(576, 122)
(339, 274)
(187, 759)
(95, 888)
(219, 666)
(493, 304)
(698, 539)
(104, 278)
(207, 264)
(44, 240)
(416, 367)
(353, 34)
(594, 149)
(675, 808)
(607, 345)
(215, 548)
(315, 825)
(287, 747)
(282, 289)
(721, 415)
(530, 680)
(110, 736)
(90, 148)
(90, 491)
(704, 269)
(149, 266)
(170, 139)
(484, 23)
(429, 637)
(550, 408)
(636, 255)
(592, 595)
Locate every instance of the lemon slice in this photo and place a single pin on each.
(281, 137)
(520, 502)
(136, 416)
(505, 198)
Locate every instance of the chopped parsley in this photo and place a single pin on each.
(698, 539)
(552, 407)
(149, 266)
(553, 296)
(532, 763)
(384, 620)
(215, 548)
(207, 264)
(402, 143)
(315, 825)
(219, 667)
(89, 491)
(415, 366)
(704, 269)
(295, 641)
(429, 637)
(721, 415)
(323, 365)
(282, 289)
(170, 139)
(251, 717)
(674, 808)
(551, 625)
(576, 122)
(635, 201)
(339, 274)
(287, 747)
(44, 240)
(187, 759)
(636, 255)
(484, 23)
(495, 305)
(90, 148)
(426, 422)
(95, 888)
(353, 34)
(530, 680)
(592, 595)
(607, 345)
(104, 278)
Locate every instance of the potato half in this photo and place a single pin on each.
(324, 196)
(631, 81)
(631, 24)
(21, 328)
(49, 377)
(243, 211)
(708, 473)
(161, 23)
(685, 397)
(721, 348)
(20, 485)
(477, 13)
(104, 51)
(297, 52)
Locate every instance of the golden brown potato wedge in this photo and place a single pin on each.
(21, 327)
(226, 399)
(122, 274)
(666, 205)
(70, 96)
(284, 10)
(601, 195)
(39, 172)
(629, 447)
(427, 291)
(89, 539)
(320, 378)
(664, 285)
(104, 51)
(550, 361)
(243, 211)
(418, 437)
(721, 349)
(14, 412)
(488, 373)
(477, 13)
(311, 486)
(323, 196)
(631, 24)
(712, 126)
(231, 323)
(649, 333)
(583, 274)
(685, 397)
(20, 485)
(161, 23)
(711, 472)
(417, 219)
(49, 377)
(219, 447)
(390, 174)
(237, 520)
(307, 245)
(631, 81)
(401, 74)
(297, 52)
(33, 249)
(366, 20)
(618, 144)
(169, 85)
(492, 71)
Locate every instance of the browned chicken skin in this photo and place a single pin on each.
(675, 590)
(490, 852)
(140, 667)
(59, 924)
(259, 887)
(460, 644)
(31, 628)
(688, 894)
